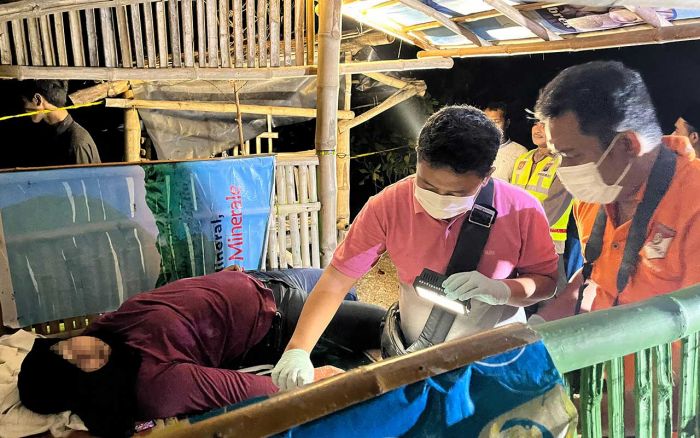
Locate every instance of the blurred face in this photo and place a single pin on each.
(85, 352)
(498, 118)
(539, 138)
(444, 181)
(37, 103)
(683, 130)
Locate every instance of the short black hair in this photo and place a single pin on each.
(691, 115)
(54, 91)
(499, 106)
(606, 97)
(461, 138)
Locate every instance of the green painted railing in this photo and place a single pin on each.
(594, 344)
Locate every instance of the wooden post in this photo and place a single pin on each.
(91, 29)
(108, 42)
(343, 163)
(274, 33)
(310, 32)
(262, 33)
(76, 38)
(201, 34)
(187, 32)
(238, 33)
(288, 32)
(60, 29)
(5, 52)
(250, 31)
(150, 34)
(20, 42)
(299, 16)
(212, 34)
(327, 120)
(132, 132)
(138, 34)
(224, 38)
(174, 25)
(162, 35)
(123, 36)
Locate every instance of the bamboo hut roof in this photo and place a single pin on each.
(503, 27)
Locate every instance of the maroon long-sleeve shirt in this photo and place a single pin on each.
(185, 331)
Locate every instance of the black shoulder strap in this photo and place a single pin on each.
(659, 181)
(466, 256)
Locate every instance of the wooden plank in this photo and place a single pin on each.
(212, 34)
(224, 38)
(108, 41)
(150, 34)
(201, 34)
(91, 29)
(46, 40)
(238, 33)
(34, 41)
(250, 34)
(137, 31)
(310, 30)
(76, 38)
(313, 197)
(174, 27)
(299, 17)
(162, 35)
(293, 218)
(280, 181)
(303, 186)
(60, 29)
(274, 33)
(515, 15)
(262, 33)
(124, 38)
(287, 32)
(19, 41)
(187, 32)
(5, 50)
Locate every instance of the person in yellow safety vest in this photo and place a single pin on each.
(536, 172)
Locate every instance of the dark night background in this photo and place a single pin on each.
(671, 71)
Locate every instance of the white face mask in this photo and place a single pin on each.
(443, 206)
(585, 182)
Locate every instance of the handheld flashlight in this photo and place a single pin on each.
(428, 285)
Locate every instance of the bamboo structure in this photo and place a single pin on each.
(132, 129)
(327, 85)
(343, 163)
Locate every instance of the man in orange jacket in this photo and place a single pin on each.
(638, 216)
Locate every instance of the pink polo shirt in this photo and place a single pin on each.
(394, 221)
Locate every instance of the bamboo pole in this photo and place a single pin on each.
(262, 33)
(123, 36)
(681, 31)
(391, 101)
(446, 22)
(250, 31)
(38, 8)
(509, 11)
(138, 35)
(34, 41)
(60, 30)
(310, 30)
(356, 44)
(343, 163)
(162, 35)
(388, 80)
(5, 51)
(326, 122)
(224, 44)
(287, 32)
(99, 92)
(212, 34)
(275, 33)
(293, 218)
(201, 34)
(304, 215)
(174, 27)
(238, 33)
(132, 132)
(187, 32)
(46, 40)
(76, 38)
(150, 34)
(19, 42)
(239, 116)
(313, 197)
(185, 73)
(218, 107)
(299, 16)
(108, 43)
(280, 180)
(91, 30)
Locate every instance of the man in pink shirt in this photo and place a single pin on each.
(417, 221)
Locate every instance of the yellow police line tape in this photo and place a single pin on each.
(32, 113)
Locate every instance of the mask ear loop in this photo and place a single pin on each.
(609, 148)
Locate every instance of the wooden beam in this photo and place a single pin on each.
(132, 132)
(445, 21)
(219, 107)
(393, 100)
(650, 16)
(388, 80)
(190, 73)
(373, 38)
(515, 15)
(635, 36)
(100, 91)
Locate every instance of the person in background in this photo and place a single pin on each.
(688, 125)
(72, 143)
(508, 151)
(417, 222)
(535, 171)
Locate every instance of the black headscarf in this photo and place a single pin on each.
(104, 399)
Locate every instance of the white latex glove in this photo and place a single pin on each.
(466, 285)
(294, 369)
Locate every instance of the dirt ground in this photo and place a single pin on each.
(381, 285)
